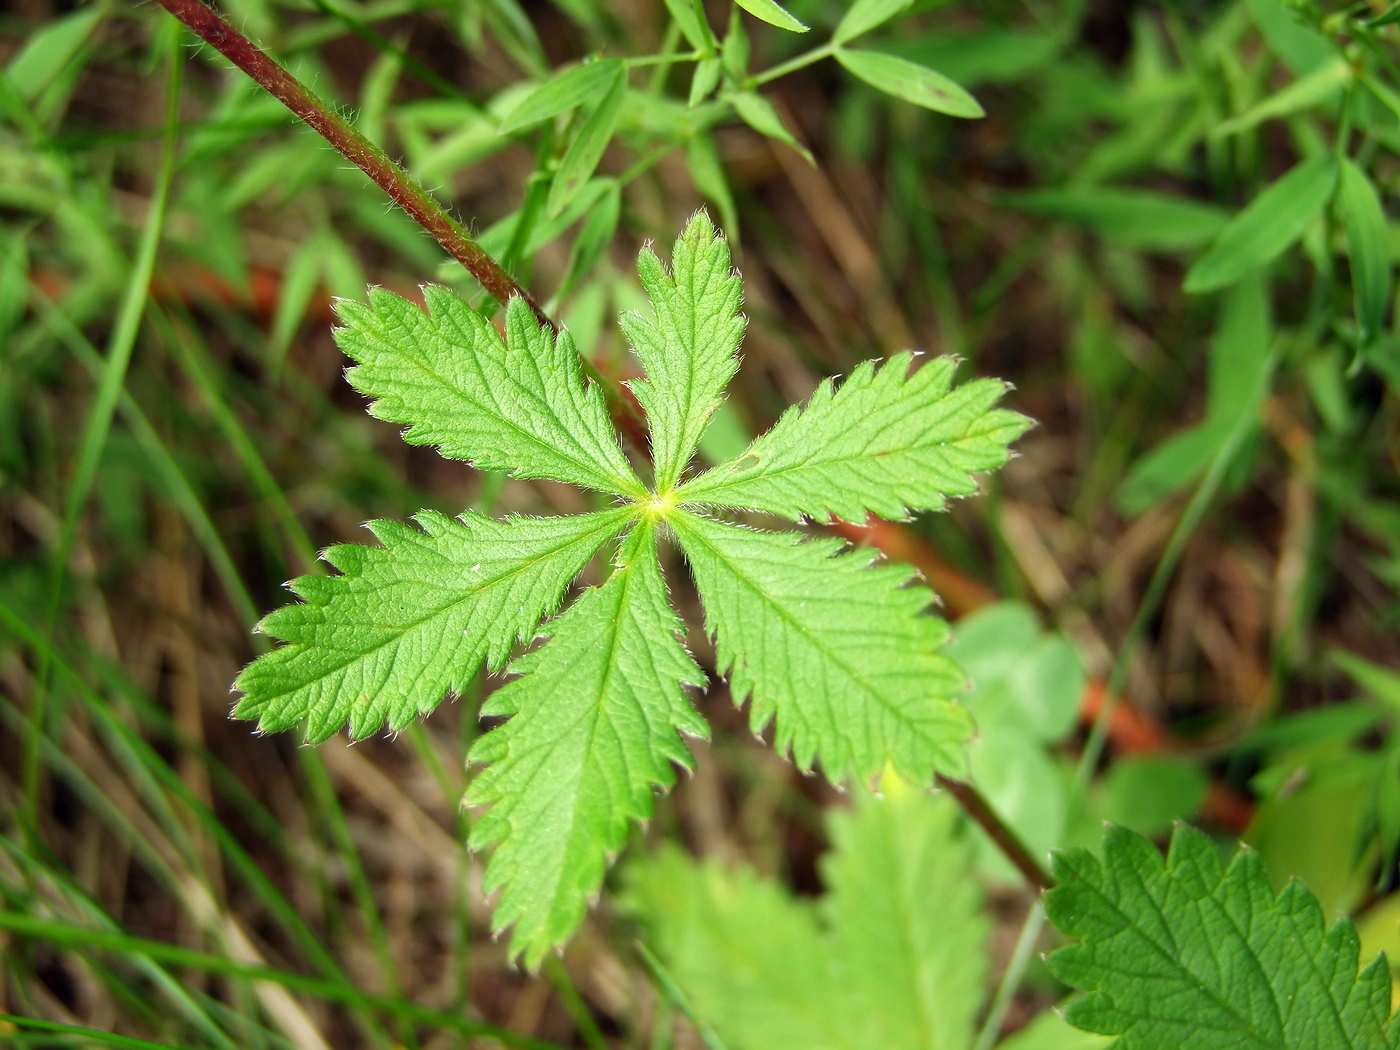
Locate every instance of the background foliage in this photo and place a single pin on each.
(1172, 231)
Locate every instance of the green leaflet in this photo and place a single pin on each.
(910, 81)
(886, 442)
(518, 405)
(835, 648)
(688, 346)
(873, 966)
(408, 622)
(1193, 955)
(593, 729)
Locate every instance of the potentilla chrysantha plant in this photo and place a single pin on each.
(837, 650)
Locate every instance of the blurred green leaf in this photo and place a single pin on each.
(1132, 217)
(1299, 46)
(586, 150)
(758, 113)
(589, 82)
(594, 236)
(864, 15)
(910, 81)
(774, 14)
(1380, 682)
(1368, 244)
(696, 32)
(49, 50)
(704, 80)
(707, 172)
(1323, 84)
(1148, 792)
(1267, 225)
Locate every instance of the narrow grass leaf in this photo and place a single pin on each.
(707, 172)
(774, 14)
(413, 620)
(1131, 217)
(1323, 85)
(518, 405)
(594, 729)
(864, 15)
(688, 345)
(910, 81)
(586, 150)
(693, 28)
(1267, 225)
(50, 49)
(758, 113)
(1368, 244)
(835, 648)
(887, 441)
(575, 87)
(594, 236)
(1189, 954)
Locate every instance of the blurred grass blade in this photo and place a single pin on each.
(593, 239)
(910, 81)
(693, 26)
(586, 150)
(1131, 217)
(865, 15)
(1268, 224)
(774, 14)
(1368, 244)
(568, 90)
(85, 1035)
(50, 49)
(1322, 85)
(758, 113)
(707, 172)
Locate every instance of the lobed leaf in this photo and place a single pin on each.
(835, 648)
(593, 729)
(886, 442)
(518, 404)
(412, 620)
(689, 344)
(874, 965)
(1189, 954)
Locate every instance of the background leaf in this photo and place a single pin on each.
(1268, 224)
(912, 82)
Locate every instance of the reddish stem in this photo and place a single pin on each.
(421, 206)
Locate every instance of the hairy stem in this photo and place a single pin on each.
(421, 206)
(1006, 840)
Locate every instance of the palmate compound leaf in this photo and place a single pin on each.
(1189, 954)
(519, 405)
(839, 650)
(594, 727)
(835, 648)
(408, 622)
(688, 345)
(892, 957)
(886, 441)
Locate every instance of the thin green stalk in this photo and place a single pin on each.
(579, 1013)
(86, 1034)
(99, 422)
(795, 63)
(1011, 976)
